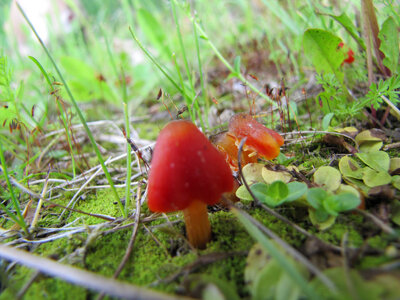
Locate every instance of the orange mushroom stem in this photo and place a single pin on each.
(187, 173)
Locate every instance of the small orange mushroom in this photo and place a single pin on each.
(260, 139)
(227, 144)
(187, 173)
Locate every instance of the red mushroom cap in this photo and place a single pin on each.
(186, 167)
(262, 139)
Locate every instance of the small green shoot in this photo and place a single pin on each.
(278, 192)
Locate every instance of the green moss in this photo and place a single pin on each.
(100, 202)
(369, 262)
(350, 224)
(283, 230)
(42, 288)
(378, 242)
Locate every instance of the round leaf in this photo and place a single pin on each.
(317, 216)
(316, 196)
(271, 176)
(243, 194)
(371, 147)
(260, 190)
(350, 168)
(347, 201)
(278, 190)
(396, 181)
(378, 160)
(367, 136)
(328, 177)
(296, 190)
(375, 178)
(394, 164)
(252, 173)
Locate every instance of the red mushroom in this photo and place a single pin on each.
(187, 173)
(260, 139)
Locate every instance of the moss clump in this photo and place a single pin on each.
(378, 241)
(101, 202)
(42, 288)
(283, 230)
(370, 262)
(348, 225)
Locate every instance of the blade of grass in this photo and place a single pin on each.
(187, 99)
(80, 115)
(18, 218)
(280, 12)
(128, 147)
(234, 72)
(188, 73)
(202, 85)
(162, 68)
(62, 113)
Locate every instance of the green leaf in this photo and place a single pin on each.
(270, 176)
(243, 194)
(367, 141)
(396, 181)
(255, 262)
(321, 219)
(394, 163)
(347, 23)
(252, 173)
(375, 178)
(347, 201)
(296, 190)
(350, 168)
(389, 37)
(328, 177)
(272, 195)
(322, 48)
(331, 205)
(278, 190)
(327, 120)
(316, 196)
(370, 147)
(378, 160)
(260, 190)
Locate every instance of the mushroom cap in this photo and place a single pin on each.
(227, 144)
(262, 139)
(186, 167)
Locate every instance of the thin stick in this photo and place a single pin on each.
(377, 221)
(40, 203)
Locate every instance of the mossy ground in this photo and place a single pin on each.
(159, 255)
